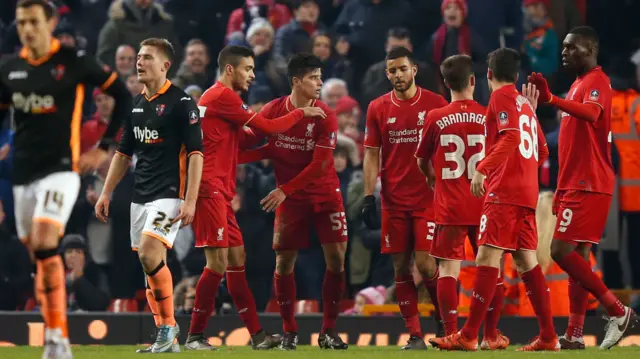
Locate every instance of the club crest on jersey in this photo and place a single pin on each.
(193, 117)
(332, 138)
(310, 127)
(504, 118)
(421, 118)
(58, 72)
(245, 107)
(594, 95)
(160, 109)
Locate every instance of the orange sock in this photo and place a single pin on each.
(162, 286)
(40, 295)
(153, 306)
(51, 270)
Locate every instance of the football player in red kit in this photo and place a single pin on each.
(308, 193)
(585, 184)
(224, 116)
(516, 147)
(394, 123)
(453, 141)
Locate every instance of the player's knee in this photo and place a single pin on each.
(236, 256)
(449, 268)
(488, 257)
(151, 253)
(401, 267)
(560, 249)
(44, 236)
(335, 262)
(584, 249)
(426, 264)
(285, 262)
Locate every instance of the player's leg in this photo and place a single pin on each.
(239, 290)
(581, 218)
(158, 234)
(210, 229)
(578, 301)
(423, 232)
(396, 240)
(55, 197)
(331, 227)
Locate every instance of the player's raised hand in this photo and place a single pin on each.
(370, 213)
(542, 86)
(186, 213)
(531, 93)
(477, 184)
(102, 207)
(273, 200)
(313, 112)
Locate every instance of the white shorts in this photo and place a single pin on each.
(49, 199)
(154, 219)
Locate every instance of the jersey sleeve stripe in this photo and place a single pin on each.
(109, 81)
(508, 129)
(371, 146)
(76, 124)
(249, 120)
(331, 148)
(195, 153)
(595, 103)
(123, 155)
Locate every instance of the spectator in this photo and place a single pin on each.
(66, 32)
(126, 60)
(15, 272)
(541, 45)
(332, 91)
(194, 91)
(130, 22)
(194, 69)
(349, 135)
(241, 19)
(375, 82)
(86, 284)
(343, 168)
(6, 174)
(497, 22)
(565, 15)
(294, 37)
(259, 96)
(93, 129)
(369, 295)
(133, 85)
(335, 63)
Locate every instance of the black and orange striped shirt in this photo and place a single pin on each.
(47, 96)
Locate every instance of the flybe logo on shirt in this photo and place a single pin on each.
(146, 135)
(34, 104)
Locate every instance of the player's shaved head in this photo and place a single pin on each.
(588, 34)
(233, 55)
(504, 65)
(580, 49)
(456, 71)
(301, 64)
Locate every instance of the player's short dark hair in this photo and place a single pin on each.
(163, 45)
(298, 3)
(456, 71)
(399, 52)
(505, 64)
(232, 55)
(301, 64)
(399, 33)
(587, 33)
(48, 7)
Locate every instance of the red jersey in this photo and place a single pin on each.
(515, 181)
(223, 116)
(395, 126)
(584, 149)
(292, 151)
(453, 139)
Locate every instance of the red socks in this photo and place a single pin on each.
(332, 291)
(206, 291)
(483, 289)
(243, 298)
(448, 299)
(407, 296)
(431, 285)
(492, 317)
(580, 270)
(285, 287)
(540, 298)
(578, 301)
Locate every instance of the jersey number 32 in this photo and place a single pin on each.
(457, 155)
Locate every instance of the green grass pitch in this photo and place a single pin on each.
(309, 352)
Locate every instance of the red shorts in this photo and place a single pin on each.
(582, 215)
(449, 241)
(214, 224)
(508, 227)
(292, 227)
(406, 231)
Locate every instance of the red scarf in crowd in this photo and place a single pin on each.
(464, 42)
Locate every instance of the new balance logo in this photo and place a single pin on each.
(146, 135)
(391, 120)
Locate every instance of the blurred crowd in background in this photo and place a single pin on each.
(351, 37)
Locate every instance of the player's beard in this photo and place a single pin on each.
(403, 87)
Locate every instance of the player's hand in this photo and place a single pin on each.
(4, 151)
(273, 200)
(477, 184)
(541, 84)
(92, 159)
(187, 211)
(370, 213)
(531, 93)
(102, 207)
(313, 112)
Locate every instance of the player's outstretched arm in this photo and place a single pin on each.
(118, 168)
(283, 123)
(588, 111)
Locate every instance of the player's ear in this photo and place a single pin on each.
(228, 69)
(447, 84)
(489, 75)
(52, 23)
(414, 69)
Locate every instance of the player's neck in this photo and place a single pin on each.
(298, 100)
(497, 85)
(461, 96)
(152, 87)
(42, 50)
(407, 94)
(587, 68)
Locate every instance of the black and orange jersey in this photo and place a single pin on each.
(162, 131)
(47, 97)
